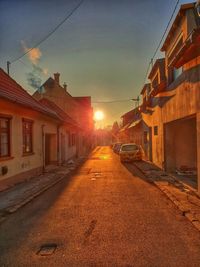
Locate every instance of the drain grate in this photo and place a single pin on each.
(47, 249)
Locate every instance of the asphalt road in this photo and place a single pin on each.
(107, 214)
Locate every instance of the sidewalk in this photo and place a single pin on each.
(183, 196)
(20, 194)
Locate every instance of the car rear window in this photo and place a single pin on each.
(129, 147)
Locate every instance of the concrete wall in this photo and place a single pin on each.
(18, 163)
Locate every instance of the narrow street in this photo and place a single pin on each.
(107, 214)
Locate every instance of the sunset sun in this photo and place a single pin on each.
(99, 115)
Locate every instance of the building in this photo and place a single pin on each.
(167, 124)
(171, 101)
(28, 133)
(78, 108)
(67, 133)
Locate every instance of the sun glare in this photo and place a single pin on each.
(98, 115)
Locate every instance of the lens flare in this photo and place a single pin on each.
(99, 115)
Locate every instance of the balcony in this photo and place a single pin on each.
(189, 50)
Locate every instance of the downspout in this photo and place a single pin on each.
(43, 149)
(58, 145)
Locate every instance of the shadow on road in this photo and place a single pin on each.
(136, 172)
(18, 225)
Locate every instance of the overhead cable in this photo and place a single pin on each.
(50, 33)
(168, 24)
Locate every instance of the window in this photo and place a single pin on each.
(4, 137)
(129, 147)
(27, 136)
(155, 130)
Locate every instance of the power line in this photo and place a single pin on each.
(151, 62)
(50, 33)
(112, 101)
(101, 102)
(166, 29)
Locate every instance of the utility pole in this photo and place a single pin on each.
(8, 67)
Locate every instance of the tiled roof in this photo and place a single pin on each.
(60, 113)
(12, 91)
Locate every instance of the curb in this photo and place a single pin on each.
(195, 222)
(36, 194)
(29, 199)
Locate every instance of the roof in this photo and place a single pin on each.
(50, 83)
(147, 85)
(180, 14)
(158, 63)
(60, 113)
(129, 113)
(12, 91)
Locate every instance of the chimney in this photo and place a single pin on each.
(65, 86)
(56, 77)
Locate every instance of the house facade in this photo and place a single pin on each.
(170, 108)
(28, 133)
(36, 134)
(78, 108)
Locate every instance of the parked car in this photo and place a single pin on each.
(130, 152)
(116, 147)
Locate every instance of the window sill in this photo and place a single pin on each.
(28, 154)
(6, 158)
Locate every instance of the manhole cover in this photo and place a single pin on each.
(47, 249)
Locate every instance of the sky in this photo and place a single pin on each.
(102, 51)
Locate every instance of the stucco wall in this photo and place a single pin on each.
(18, 163)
